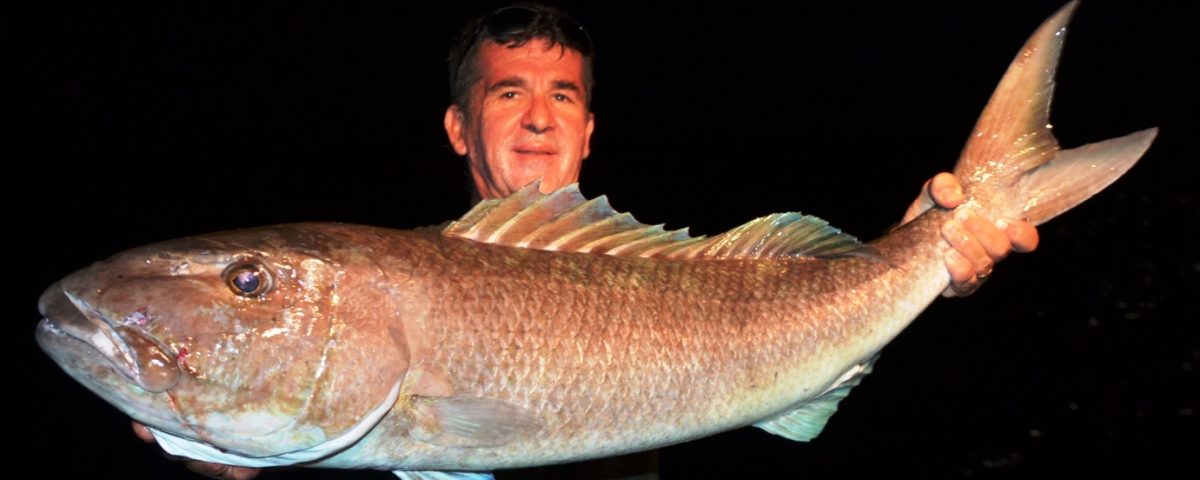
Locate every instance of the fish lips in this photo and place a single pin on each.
(72, 327)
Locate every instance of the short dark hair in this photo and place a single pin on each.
(514, 26)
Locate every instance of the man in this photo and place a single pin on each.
(521, 114)
(521, 82)
(521, 79)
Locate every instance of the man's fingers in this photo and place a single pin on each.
(143, 433)
(1022, 235)
(967, 246)
(920, 205)
(241, 473)
(993, 240)
(210, 470)
(945, 190)
(222, 472)
(962, 275)
(977, 243)
(942, 190)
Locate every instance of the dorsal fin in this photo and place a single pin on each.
(565, 221)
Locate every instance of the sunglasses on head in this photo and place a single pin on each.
(515, 20)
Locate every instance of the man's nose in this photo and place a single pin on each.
(538, 118)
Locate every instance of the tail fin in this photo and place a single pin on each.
(1012, 166)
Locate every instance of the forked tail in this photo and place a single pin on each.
(1012, 166)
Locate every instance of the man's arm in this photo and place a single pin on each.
(978, 242)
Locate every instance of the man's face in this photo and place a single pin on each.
(528, 120)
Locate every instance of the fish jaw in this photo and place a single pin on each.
(162, 320)
(136, 355)
(162, 333)
(89, 349)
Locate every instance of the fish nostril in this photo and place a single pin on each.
(139, 318)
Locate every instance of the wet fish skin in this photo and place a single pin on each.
(591, 345)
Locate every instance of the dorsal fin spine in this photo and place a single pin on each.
(565, 221)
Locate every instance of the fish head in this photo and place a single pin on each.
(241, 340)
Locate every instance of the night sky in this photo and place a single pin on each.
(1084, 357)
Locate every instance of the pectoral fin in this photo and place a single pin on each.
(806, 422)
(472, 421)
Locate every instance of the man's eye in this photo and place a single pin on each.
(508, 95)
(562, 97)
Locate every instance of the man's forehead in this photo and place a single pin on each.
(535, 58)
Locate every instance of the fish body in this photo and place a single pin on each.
(537, 329)
(608, 353)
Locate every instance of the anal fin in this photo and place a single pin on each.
(806, 421)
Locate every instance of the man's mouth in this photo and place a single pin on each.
(535, 151)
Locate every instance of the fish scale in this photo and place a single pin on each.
(705, 345)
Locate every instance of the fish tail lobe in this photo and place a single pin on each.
(1012, 165)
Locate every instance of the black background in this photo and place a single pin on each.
(1083, 358)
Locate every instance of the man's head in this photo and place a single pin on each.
(521, 81)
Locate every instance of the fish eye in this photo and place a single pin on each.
(247, 279)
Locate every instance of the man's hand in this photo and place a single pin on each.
(978, 242)
(210, 470)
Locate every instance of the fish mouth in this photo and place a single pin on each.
(140, 358)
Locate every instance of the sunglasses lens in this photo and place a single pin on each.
(576, 35)
(509, 21)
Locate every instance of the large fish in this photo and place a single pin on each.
(537, 329)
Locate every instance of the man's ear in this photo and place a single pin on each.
(587, 136)
(454, 123)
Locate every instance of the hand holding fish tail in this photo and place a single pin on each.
(978, 242)
(208, 469)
